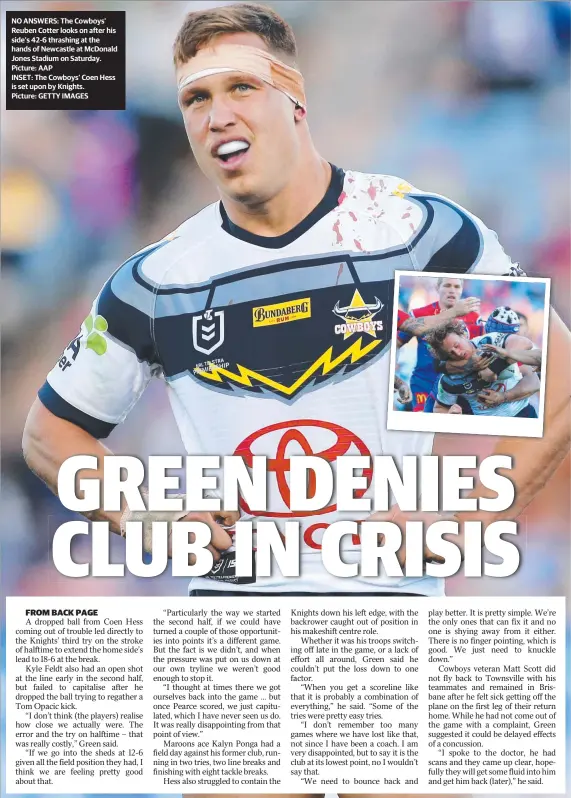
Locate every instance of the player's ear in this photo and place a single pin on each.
(299, 113)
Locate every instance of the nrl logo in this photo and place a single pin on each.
(208, 331)
(358, 316)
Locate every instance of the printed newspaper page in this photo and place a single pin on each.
(286, 385)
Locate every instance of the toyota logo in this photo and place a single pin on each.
(295, 435)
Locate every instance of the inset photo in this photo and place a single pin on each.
(468, 354)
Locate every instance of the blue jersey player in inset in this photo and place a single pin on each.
(424, 375)
(501, 389)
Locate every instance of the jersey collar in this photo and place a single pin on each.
(328, 203)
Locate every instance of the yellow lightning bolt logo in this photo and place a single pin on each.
(326, 364)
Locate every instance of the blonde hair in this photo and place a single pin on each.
(200, 27)
(436, 337)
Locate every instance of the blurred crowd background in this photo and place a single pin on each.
(468, 99)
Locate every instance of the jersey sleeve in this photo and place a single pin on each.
(450, 239)
(104, 370)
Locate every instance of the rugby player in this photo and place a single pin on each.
(408, 326)
(267, 314)
(424, 374)
(508, 393)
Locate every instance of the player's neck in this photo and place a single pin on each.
(303, 192)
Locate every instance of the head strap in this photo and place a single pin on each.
(252, 61)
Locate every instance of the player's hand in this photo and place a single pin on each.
(455, 410)
(396, 516)
(475, 362)
(217, 522)
(479, 362)
(464, 306)
(491, 398)
(498, 350)
(404, 393)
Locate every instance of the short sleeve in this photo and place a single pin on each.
(450, 239)
(493, 258)
(104, 370)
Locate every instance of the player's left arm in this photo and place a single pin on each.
(518, 349)
(420, 325)
(514, 346)
(527, 386)
(534, 460)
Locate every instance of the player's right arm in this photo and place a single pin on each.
(49, 440)
(529, 357)
(420, 325)
(98, 379)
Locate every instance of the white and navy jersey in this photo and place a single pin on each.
(505, 380)
(274, 346)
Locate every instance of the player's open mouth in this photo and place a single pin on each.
(232, 153)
